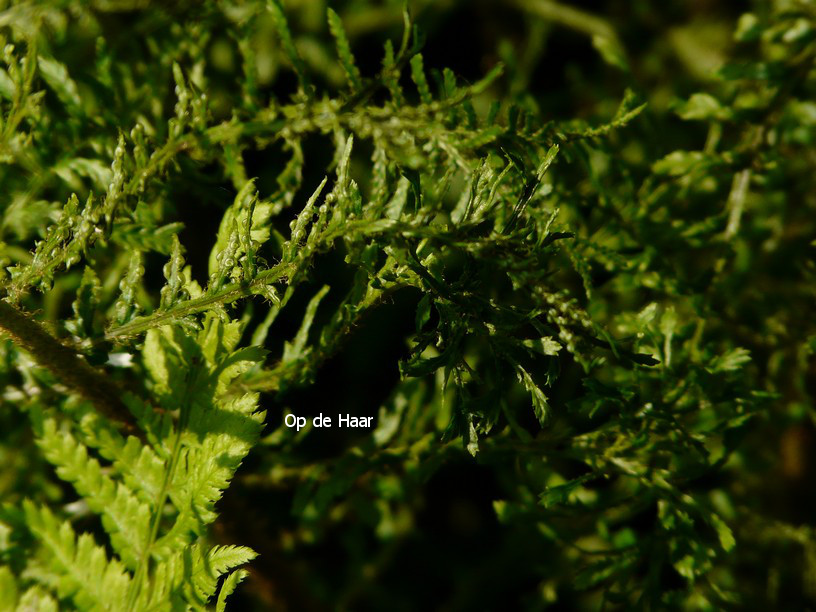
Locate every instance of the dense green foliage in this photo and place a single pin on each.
(577, 303)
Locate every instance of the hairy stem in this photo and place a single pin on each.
(64, 363)
(226, 295)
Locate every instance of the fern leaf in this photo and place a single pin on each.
(228, 587)
(218, 561)
(299, 225)
(124, 517)
(138, 464)
(285, 34)
(85, 305)
(420, 80)
(294, 351)
(220, 429)
(541, 406)
(214, 448)
(126, 307)
(56, 76)
(173, 272)
(81, 570)
(190, 576)
(391, 74)
(344, 51)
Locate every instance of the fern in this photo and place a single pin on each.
(188, 468)
(593, 310)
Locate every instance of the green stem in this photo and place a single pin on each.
(164, 492)
(571, 17)
(226, 295)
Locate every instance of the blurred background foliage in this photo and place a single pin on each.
(693, 239)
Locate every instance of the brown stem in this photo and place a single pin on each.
(64, 363)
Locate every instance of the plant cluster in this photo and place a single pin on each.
(609, 324)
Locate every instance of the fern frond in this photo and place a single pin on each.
(174, 273)
(344, 51)
(391, 74)
(501, 248)
(228, 586)
(285, 34)
(76, 567)
(126, 307)
(212, 436)
(190, 576)
(125, 518)
(139, 465)
(420, 80)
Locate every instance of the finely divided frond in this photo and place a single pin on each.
(125, 518)
(344, 51)
(78, 568)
